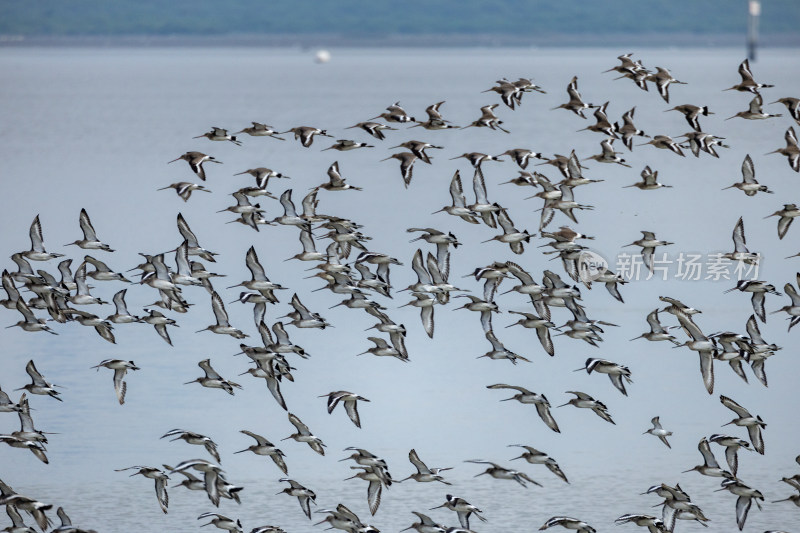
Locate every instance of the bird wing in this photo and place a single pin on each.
(120, 387)
(186, 232)
(738, 237)
(219, 310)
(735, 407)
(301, 427)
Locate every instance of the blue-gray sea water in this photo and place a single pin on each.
(94, 129)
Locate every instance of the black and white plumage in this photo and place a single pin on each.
(303, 434)
(304, 495)
(424, 474)
(349, 400)
(535, 457)
(528, 397)
(618, 374)
(754, 424)
(120, 368)
(265, 447)
(463, 509)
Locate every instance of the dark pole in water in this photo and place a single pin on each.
(754, 10)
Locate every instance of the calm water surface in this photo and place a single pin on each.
(95, 128)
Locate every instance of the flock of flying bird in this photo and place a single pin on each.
(362, 277)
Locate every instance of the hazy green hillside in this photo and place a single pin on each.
(365, 18)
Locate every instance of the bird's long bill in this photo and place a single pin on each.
(176, 159)
(562, 405)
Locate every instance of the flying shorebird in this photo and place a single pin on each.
(190, 437)
(261, 130)
(259, 280)
(304, 435)
(463, 509)
(418, 149)
(222, 326)
(710, 467)
(219, 134)
(792, 150)
(196, 160)
(488, 119)
(499, 472)
(749, 185)
(649, 180)
(793, 309)
(657, 331)
(407, 160)
(754, 111)
(192, 242)
(792, 105)
(303, 318)
(534, 456)
(89, 241)
(585, 401)
(731, 445)
(511, 235)
(541, 326)
(759, 289)
(37, 251)
(746, 496)
(499, 351)
(629, 129)
(39, 385)
(344, 145)
(373, 128)
(569, 523)
(160, 323)
(527, 397)
(658, 431)
(349, 400)
(119, 367)
(575, 103)
(222, 522)
(212, 476)
(691, 113)
(653, 524)
(304, 495)
(748, 84)
(521, 156)
(616, 372)
(701, 141)
(306, 134)
(336, 181)
(740, 252)
(395, 113)
(648, 242)
(265, 447)
(663, 78)
(665, 142)
(424, 474)
(212, 379)
(160, 478)
(787, 215)
(744, 418)
(459, 203)
(184, 189)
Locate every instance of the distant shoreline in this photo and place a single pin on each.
(402, 41)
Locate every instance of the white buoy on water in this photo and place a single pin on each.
(323, 56)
